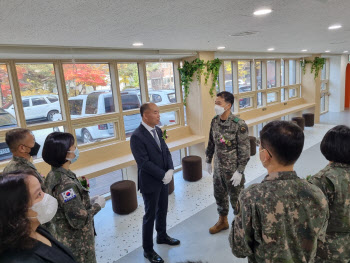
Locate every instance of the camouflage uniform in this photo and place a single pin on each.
(228, 158)
(22, 164)
(334, 181)
(73, 223)
(279, 220)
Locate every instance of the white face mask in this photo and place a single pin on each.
(219, 110)
(46, 209)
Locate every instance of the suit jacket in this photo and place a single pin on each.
(40, 253)
(152, 162)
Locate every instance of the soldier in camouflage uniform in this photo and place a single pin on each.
(73, 223)
(230, 146)
(23, 146)
(280, 219)
(334, 181)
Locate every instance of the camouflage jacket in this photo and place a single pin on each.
(228, 143)
(334, 181)
(73, 223)
(279, 220)
(22, 164)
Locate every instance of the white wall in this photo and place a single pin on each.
(337, 82)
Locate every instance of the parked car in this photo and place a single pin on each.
(6, 121)
(38, 107)
(164, 97)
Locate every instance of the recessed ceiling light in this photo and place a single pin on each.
(221, 47)
(334, 27)
(327, 51)
(261, 12)
(271, 49)
(304, 50)
(345, 51)
(137, 44)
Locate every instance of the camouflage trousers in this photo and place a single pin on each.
(223, 189)
(335, 249)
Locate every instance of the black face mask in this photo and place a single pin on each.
(34, 151)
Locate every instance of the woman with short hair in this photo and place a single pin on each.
(334, 181)
(23, 208)
(73, 223)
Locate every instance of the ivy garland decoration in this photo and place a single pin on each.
(317, 65)
(197, 66)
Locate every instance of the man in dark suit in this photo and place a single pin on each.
(155, 171)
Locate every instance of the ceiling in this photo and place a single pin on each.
(178, 25)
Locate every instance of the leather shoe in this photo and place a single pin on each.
(168, 240)
(153, 257)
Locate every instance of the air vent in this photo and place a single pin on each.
(244, 34)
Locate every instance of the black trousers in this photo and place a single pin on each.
(156, 208)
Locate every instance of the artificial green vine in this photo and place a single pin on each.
(317, 65)
(197, 66)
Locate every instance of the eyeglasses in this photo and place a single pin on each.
(258, 142)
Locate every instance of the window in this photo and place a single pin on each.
(272, 97)
(324, 72)
(292, 72)
(38, 80)
(168, 118)
(172, 97)
(259, 99)
(40, 136)
(100, 185)
(323, 86)
(282, 73)
(323, 102)
(245, 103)
(38, 101)
(129, 84)
(75, 106)
(244, 76)
(131, 122)
(271, 73)
(258, 74)
(160, 81)
(52, 99)
(130, 101)
(5, 153)
(228, 76)
(94, 133)
(155, 98)
(90, 83)
(176, 156)
(283, 94)
(292, 93)
(25, 103)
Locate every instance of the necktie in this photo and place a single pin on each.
(156, 137)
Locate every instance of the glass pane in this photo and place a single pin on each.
(282, 73)
(271, 73)
(292, 72)
(259, 99)
(228, 76)
(95, 133)
(5, 153)
(323, 73)
(37, 83)
(323, 103)
(245, 103)
(7, 110)
(176, 156)
(40, 137)
(244, 78)
(258, 74)
(272, 97)
(168, 118)
(131, 122)
(129, 85)
(101, 185)
(283, 94)
(89, 89)
(292, 93)
(323, 86)
(160, 81)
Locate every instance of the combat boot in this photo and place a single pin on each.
(222, 224)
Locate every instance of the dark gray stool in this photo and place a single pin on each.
(124, 198)
(192, 168)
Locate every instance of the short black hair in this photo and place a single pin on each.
(143, 108)
(15, 136)
(227, 96)
(284, 139)
(15, 226)
(335, 145)
(56, 146)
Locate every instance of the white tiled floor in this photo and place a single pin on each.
(119, 235)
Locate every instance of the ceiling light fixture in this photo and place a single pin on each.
(261, 12)
(327, 51)
(304, 50)
(222, 47)
(334, 27)
(345, 51)
(137, 44)
(271, 49)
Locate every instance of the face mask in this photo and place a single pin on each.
(46, 209)
(219, 110)
(35, 149)
(76, 152)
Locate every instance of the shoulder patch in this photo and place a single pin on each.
(68, 195)
(236, 120)
(243, 129)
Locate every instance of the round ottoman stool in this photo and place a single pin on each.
(124, 198)
(192, 168)
(300, 121)
(171, 186)
(309, 119)
(252, 141)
